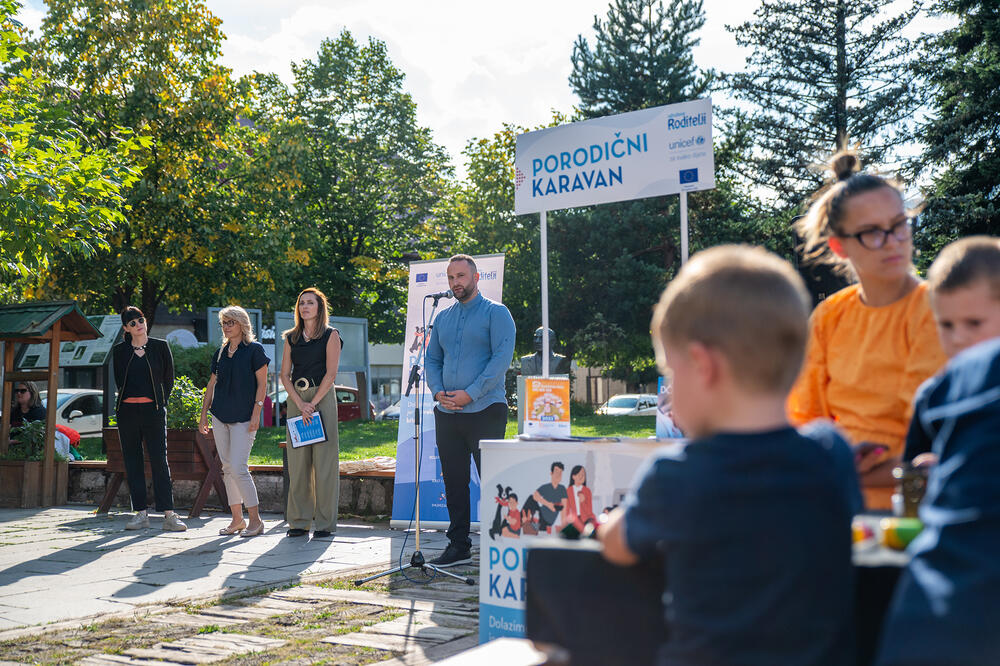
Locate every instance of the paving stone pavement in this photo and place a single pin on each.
(398, 622)
(67, 563)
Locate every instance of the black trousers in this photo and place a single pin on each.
(138, 422)
(458, 437)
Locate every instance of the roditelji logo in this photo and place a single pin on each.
(421, 277)
(688, 176)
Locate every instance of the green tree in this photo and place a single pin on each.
(625, 253)
(823, 75)
(367, 179)
(642, 57)
(189, 239)
(60, 191)
(961, 136)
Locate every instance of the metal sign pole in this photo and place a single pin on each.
(684, 227)
(545, 294)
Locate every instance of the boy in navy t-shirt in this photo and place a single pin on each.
(752, 519)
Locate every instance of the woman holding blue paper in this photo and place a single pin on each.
(235, 394)
(308, 372)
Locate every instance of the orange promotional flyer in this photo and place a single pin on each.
(546, 406)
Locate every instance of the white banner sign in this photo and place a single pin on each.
(647, 153)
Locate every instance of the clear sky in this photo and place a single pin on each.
(470, 65)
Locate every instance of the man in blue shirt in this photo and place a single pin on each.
(471, 347)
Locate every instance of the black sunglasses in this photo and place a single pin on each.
(135, 322)
(21, 390)
(874, 239)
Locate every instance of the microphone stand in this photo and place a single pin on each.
(417, 560)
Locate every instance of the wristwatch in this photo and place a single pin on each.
(260, 403)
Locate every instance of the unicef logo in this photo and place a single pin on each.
(700, 140)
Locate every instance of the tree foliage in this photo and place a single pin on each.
(366, 179)
(962, 135)
(823, 75)
(61, 192)
(151, 66)
(642, 57)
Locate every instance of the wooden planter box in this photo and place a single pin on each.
(191, 456)
(21, 483)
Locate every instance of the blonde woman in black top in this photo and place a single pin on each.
(308, 372)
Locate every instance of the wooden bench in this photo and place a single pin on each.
(191, 456)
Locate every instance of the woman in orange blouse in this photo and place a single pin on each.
(873, 343)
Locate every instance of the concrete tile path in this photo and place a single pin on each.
(68, 564)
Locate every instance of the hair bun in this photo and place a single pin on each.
(845, 164)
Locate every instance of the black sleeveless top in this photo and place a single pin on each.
(309, 358)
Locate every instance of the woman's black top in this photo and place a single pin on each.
(158, 360)
(309, 358)
(18, 418)
(236, 381)
(138, 379)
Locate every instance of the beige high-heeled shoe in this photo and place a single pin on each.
(231, 530)
(254, 532)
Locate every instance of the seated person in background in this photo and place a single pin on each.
(964, 284)
(873, 343)
(946, 609)
(751, 518)
(27, 405)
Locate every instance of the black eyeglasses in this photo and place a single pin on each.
(226, 323)
(136, 322)
(874, 239)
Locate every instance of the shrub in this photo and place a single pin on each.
(184, 404)
(194, 362)
(30, 444)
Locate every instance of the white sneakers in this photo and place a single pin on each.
(171, 522)
(138, 521)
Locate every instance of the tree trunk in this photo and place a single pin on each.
(840, 102)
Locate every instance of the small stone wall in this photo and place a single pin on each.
(359, 495)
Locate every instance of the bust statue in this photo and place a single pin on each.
(531, 365)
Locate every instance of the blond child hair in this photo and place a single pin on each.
(744, 301)
(965, 262)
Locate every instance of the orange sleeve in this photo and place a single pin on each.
(807, 400)
(924, 357)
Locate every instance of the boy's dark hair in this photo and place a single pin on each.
(512, 496)
(464, 257)
(559, 465)
(964, 262)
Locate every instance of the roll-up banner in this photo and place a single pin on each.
(429, 277)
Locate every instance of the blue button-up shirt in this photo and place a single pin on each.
(471, 347)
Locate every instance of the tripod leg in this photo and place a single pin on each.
(359, 583)
(465, 579)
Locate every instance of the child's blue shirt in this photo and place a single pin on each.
(755, 535)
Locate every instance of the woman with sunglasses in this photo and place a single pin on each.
(235, 393)
(26, 405)
(308, 372)
(144, 374)
(873, 343)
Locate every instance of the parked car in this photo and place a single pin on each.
(79, 409)
(390, 413)
(629, 404)
(348, 404)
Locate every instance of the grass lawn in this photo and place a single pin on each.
(360, 440)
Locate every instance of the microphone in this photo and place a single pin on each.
(441, 294)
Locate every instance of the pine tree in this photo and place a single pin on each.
(823, 75)
(962, 136)
(642, 57)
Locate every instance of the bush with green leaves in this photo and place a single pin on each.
(194, 362)
(30, 442)
(184, 404)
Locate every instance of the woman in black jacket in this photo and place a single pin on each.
(144, 373)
